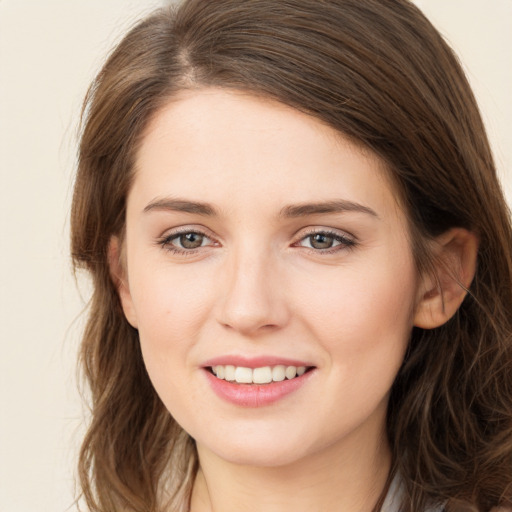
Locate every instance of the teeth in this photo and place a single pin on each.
(290, 372)
(229, 373)
(243, 375)
(278, 373)
(263, 375)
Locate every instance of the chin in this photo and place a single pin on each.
(259, 447)
(256, 456)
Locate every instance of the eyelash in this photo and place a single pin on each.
(345, 242)
(166, 242)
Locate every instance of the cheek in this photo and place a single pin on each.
(169, 321)
(170, 299)
(172, 309)
(363, 322)
(363, 317)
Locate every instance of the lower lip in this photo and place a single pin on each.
(255, 395)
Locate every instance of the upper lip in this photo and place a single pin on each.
(253, 362)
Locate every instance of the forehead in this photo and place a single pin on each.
(237, 114)
(234, 147)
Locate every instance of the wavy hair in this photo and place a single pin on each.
(378, 72)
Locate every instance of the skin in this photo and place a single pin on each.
(257, 286)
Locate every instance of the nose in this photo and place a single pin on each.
(253, 295)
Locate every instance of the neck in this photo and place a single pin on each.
(350, 477)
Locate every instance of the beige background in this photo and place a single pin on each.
(49, 50)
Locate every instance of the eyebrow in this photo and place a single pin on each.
(288, 212)
(336, 206)
(181, 205)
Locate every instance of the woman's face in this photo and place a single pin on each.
(261, 244)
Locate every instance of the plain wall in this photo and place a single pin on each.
(49, 51)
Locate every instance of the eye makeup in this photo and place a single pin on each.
(189, 241)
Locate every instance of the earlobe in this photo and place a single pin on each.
(117, 266)
(441, 294)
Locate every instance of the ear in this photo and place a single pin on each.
(441, 294)
(117, 266)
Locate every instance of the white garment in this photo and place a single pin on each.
(394, 498)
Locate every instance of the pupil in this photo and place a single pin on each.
(191, 240)
(320, 241)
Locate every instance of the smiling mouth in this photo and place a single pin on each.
(261, 375)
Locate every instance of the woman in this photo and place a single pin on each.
(301, 260)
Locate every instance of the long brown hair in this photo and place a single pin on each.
(378, 72)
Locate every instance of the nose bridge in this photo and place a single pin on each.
(252, 292)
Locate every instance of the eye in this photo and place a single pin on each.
(189, 240)
(185, 242)
(321, 241)
(326, 241)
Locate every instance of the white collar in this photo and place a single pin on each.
(394, 497)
